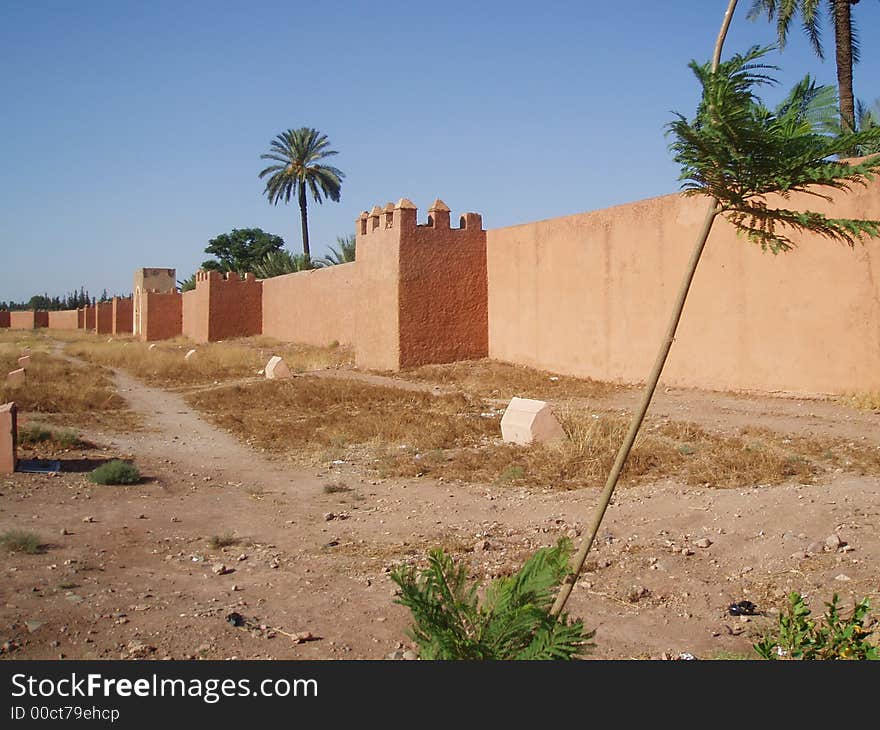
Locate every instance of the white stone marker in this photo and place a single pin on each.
(526, 421)
(189, 355)
(276, 369)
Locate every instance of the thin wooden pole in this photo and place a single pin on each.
(577, 563)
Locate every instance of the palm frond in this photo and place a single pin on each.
(739, 151)
(512, 622)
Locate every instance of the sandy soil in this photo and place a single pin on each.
(129, 572)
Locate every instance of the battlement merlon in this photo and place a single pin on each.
(404, 216)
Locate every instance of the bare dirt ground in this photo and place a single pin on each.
(130, 571)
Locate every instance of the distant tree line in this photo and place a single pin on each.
(44, 302)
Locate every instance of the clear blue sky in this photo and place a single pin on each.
(131, 132)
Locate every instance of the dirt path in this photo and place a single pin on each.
(131, 572)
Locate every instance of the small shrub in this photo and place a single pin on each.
(512, 621)
(797, 636)
(336, 488)
(116, 472)
(35, 433)
(19, 541)
(216, 542)
(512, 473)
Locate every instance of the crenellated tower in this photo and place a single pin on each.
(423, 288)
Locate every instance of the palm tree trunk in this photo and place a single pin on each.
(844, 57)
(304, 216)
(712, 211)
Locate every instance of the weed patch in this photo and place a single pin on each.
(116, 472)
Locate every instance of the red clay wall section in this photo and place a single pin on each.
(590, 295)
(22, 320)
(104, 318)
(80, 318)
(314, 307)
(223, 306)
(63, 320)
(163, 316)
(443, 291)
(4, 318)
(89, 316)
(123, 309)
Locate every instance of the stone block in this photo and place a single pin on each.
(15, 377)
(24, 361)
(189, 355)
(526, 421)
(276, 369)
(8, 435)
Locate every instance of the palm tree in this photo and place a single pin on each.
(845, 40)
(297, 154)
(342, 253)
(279, 263)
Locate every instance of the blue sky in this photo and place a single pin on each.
(131, 132)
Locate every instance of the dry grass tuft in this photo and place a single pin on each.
(214, 362)
(66, 392)
(306, 416)
(864, 401)
(490, 379)
(404, 433)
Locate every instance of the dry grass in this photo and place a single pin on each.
(490, 379)
(864, 401)
(308, 416)
(214, 362)
(403, 433)
(65, 393)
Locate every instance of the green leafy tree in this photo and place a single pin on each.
(297, 155)
(341, 253)
(512, 621)
(242, 250)
(735, 152)
(845, 39)
(278, 263)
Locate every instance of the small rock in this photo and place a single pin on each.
(220, 569)
(88, 519)
(33, 625)
(842, 578)
(65, 531)
(329, 516)
(637, 593)
(834, 542)
(482, 546)
(409, 655)
(703, 542)
(799, 555)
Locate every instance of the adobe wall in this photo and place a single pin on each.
(4, 318)
(377, 257)
(422, 290)
(590, 295)
(89, 317)
(80, 318)
(63, 320)
(22, 320)
(122, 315)
(104, 318)
(443, 290)
(162, 316)
(195, 314)
(315, 307)
(147, 280)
